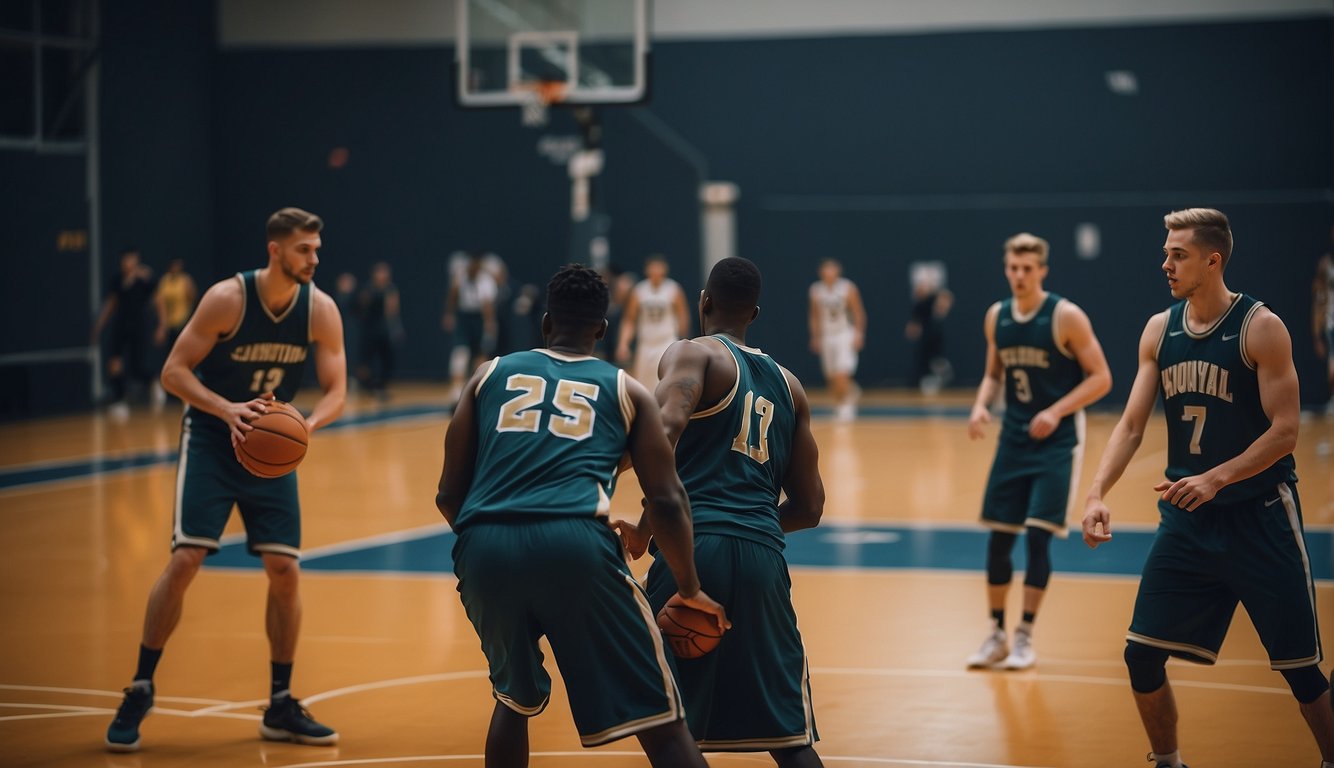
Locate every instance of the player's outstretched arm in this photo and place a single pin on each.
(1269, 347)
(804, 488)
(460, 460)
(1126, 437)
(991, 379)
(330, 360)
(218, 314)
(667, 509)
(629, 322)
(813, 320)
(1078, 337)
(858, 310)
(1320, 299)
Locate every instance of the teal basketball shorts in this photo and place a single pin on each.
(565, 577)
(752, 692)
(1031, 485)
(1203, 563)
(210, 481)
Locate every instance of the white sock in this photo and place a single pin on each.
(1173, 759)
(1026, 627)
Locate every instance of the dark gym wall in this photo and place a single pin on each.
(834, 144)
(157, 132)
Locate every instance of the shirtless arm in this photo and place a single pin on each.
(991, 378)
(1127, 435)
(218, 313)
(804, 488)
(1078, 337)
(330, 360)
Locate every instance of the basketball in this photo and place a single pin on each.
(690, 632)
(277, 444)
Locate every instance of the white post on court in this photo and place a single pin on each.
(717, 223)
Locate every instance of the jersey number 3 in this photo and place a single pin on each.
(574, 399)
(741, 443)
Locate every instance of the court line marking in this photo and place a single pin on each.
(600, 753)
(71, 710)
(1041, 677)
(113, 694)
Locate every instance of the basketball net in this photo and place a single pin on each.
(538, 96)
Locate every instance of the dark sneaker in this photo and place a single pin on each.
(1149, 757)
(123, 734)
(286, 720)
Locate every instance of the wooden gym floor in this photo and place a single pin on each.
(889, 593)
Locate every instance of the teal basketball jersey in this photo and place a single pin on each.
(264, 353)
(1211, 398)
(551, 430)
(1038, 370)
(732, 457)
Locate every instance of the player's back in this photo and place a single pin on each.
(1211, 399)
(551, 429)
(1038, 369)
(266, 352)
(656, 320)
(733, 456)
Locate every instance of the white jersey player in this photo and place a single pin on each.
(838, 329)
(654, 317)
(1322, 317)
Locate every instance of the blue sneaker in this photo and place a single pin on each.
(123, 734)
(286, 720)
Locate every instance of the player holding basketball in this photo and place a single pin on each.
(741, 426)
(656, 316)
(246, 343)
(530, 457)
(1231, 525)
(837, 322)
(1042, 349)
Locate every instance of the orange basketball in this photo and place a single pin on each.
(690, 632)
(277, 444)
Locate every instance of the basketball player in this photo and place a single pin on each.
(125, 309)
(246, 344)
(1231, 527)
(741, 426)
(838, 330)
(655, 315)
(174, 300)
(470, 316)
(1042, 349)
(530, 457)
(1322, 317)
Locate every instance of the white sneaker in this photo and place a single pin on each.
(845, 412)
(1022, 656)
(994, 650)
(119, 411)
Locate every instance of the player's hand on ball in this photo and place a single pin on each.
(702, 602)
(239, 415)
(1043, 424)
(977, 420)
(634, 540)
(1189, 492)
(1097, 523)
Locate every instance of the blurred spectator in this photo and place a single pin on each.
(175, 300)
(125, 309)
(382, 330)
(931, 370)
(470, 319)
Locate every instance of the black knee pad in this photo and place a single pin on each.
(999, 567)
(1307, 683)
(1038, 573)
(1147, 665)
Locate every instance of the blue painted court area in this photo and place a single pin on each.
(838, 546)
